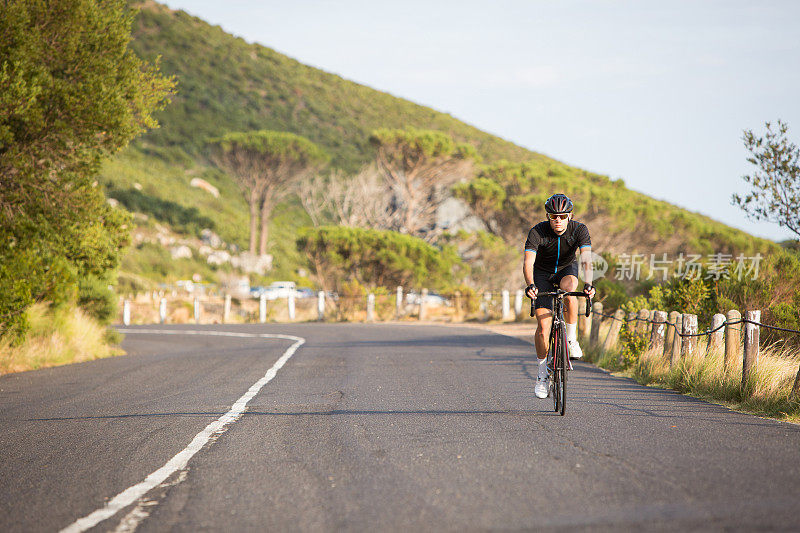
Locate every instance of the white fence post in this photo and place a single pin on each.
(262, 308)
(518, 304)
(321, 306)
(370, 307)
(506, 306)
(290, 304)
(715, 339)
(751, 338)
(399, 303)
(226, 310)
(162, 310)
(422, 297)
(196, 310)
(126, 312)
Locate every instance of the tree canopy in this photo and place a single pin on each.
(419, 167)
(71, 93)
(265, 164)
(375, 258)
(775, 183)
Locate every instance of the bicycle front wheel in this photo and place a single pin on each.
(562, 360)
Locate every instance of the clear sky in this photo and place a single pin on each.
(656, 93)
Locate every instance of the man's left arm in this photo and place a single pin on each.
(585, 246)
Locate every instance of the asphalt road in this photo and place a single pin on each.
(378, 427)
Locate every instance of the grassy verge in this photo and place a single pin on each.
(58, 337)
(704, 375)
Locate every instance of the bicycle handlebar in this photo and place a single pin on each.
(560, 293)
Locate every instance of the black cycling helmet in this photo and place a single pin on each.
(558, 203)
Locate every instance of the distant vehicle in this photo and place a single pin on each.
(280, 289)
(433, 299)
(255, 292)
(305, 293)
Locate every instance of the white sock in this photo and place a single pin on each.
(543, 367)
(572, 334)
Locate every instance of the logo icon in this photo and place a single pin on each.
(599, 267)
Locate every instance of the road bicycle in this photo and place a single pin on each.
(558, 362)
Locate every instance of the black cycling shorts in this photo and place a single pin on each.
(546, 282)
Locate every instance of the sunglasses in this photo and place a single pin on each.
(557, 217)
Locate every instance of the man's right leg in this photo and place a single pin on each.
(544, 321)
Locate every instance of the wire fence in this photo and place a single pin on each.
(726, 322)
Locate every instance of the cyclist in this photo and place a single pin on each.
(549, 262)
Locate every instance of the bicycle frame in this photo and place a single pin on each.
(558, 362)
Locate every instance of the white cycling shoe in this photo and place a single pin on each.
(542, 388)
(574, 348)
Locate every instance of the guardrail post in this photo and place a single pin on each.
(399, 302)
(715, 339)
(613, 331)
(506, 306)
(262, 309)
(594, 334)
(518, 304)
(290, 305)
(459, 316)
(126, 312)
(423, 296)
(675, 354)
(751, 335)
(196, 310)
(642, 324)
(669, 334)
(733, 337)
(658, 330)
(321, 306)
(487, 299)
(689, 344)
(370, 307)
(226, 310)
(584, 322)
(162, 310)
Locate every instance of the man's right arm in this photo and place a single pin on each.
(527, 271)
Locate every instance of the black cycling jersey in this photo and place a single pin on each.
(554, 252)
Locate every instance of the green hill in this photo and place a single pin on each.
(226, 84)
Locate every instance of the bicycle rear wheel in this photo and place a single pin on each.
(555, 374)
(562, 361)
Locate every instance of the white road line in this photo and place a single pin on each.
(180, 460)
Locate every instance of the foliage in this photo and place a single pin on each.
(774, 292)
(492, 262)
(375, 258)
(632, 345)
(183, 219)
(71, 93)
(162, 182)
(509, 198)
(228, 84)
(264, 164)
(57, 336)
(97, 299)
(418, 167)
(775, 182)
(281, 147)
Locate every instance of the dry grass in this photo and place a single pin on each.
(57, 338)
(766, 393)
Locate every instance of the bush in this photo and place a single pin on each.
(97, 299)
(375, 258)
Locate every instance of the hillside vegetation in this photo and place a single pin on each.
(226, 84)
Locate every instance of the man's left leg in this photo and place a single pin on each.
(570, 283)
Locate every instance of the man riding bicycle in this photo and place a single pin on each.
(549, 262)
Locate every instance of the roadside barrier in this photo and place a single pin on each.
(681, 341)
(674, 333)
